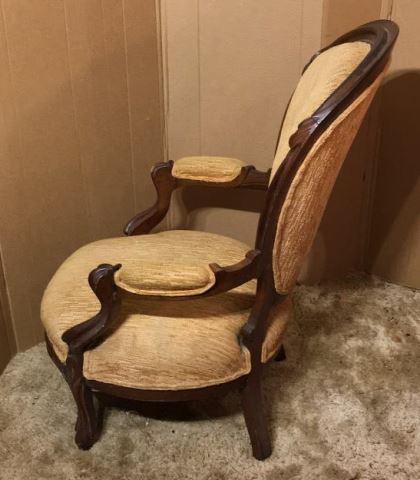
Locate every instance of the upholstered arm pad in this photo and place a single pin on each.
(181, 263)
(208, 169)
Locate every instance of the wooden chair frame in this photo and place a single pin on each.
(258, 263)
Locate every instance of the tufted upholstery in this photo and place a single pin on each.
(308, 195)
(207, 169)
(160, 344)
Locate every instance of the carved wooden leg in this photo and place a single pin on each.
(252, 403)
(89, 418)
(281, 355)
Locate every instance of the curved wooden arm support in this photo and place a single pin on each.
(165, 183)
(237, 274)
(83, 337)
(92, 332)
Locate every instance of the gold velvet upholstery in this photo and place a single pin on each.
(207, 169)
(310, 190)
(318, 82)
(160, 344)
(308, 195)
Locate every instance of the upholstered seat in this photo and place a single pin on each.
(208, 169)
(172, 263)
(160, 344)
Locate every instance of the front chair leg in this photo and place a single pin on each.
(89, 419)
(84, 336)
(252, 404)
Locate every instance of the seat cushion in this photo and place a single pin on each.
(173, 263)
(207, 169)
(160, 344)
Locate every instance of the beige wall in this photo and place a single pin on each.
(341, 16)
(7, 347)
(80, 126)
(231, 67)
(394, 250)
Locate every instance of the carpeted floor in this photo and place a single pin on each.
(344, 406)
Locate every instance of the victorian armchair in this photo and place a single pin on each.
(180, 315)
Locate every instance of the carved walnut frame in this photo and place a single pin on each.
(257, 264)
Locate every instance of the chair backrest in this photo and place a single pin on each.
(319, 126)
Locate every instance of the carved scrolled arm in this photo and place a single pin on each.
(165, 184)
(92, 332)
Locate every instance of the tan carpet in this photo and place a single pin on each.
(345, 405)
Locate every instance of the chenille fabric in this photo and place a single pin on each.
(207, 169)
(322, 77)
(308, 195)
(160, 344)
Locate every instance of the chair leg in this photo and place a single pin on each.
(89, 418)
(281, 355)
(252, 403)
(88, 423)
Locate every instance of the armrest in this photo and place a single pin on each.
(168, 176)
(219, 172)
(92, 332)
(224, 279)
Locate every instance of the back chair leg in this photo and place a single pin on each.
(281, 355)
(252, 403)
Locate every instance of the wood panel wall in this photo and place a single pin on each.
(81, 124)
(231, 67)
(394, 247)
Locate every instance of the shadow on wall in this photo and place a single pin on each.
(210, 209)
(394, 249)
(372, 221)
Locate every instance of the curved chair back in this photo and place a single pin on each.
(321, 121)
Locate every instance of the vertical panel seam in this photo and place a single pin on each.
(161, 36)
(105, 49)
(6, 308)
(130, 120)
(300, 38)
(15, 108)
(75, 121)
(200, 133)
(162, 105)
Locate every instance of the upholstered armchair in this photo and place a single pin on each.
(181, 315)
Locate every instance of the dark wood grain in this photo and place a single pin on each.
(85, 336)
(164, 184)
